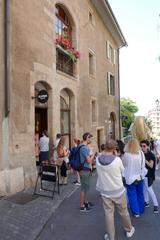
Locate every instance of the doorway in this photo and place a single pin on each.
(41, 121)
(100, 138)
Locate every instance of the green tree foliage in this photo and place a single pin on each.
(128, 109)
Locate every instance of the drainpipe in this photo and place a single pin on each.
(124, 45)
(119, 97)
(7, 44)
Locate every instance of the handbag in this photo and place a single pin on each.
(136, 182)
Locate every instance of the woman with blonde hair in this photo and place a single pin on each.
(134, 173)
(62, 153)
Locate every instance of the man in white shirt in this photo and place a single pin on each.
(44, 148)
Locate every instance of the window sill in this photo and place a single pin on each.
(66, 75)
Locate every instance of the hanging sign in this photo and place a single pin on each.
(42, 96)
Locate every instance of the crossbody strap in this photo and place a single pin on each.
(141, 164)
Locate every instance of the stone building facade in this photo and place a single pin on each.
(83, 93)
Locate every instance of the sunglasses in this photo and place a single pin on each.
(143, 146)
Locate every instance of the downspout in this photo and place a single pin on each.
(119, 97)
(124, 45)
(7, 44)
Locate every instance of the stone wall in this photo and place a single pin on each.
(33, 55)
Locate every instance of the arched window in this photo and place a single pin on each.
(63, 25)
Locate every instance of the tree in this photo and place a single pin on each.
(128, 109)
(149, 123)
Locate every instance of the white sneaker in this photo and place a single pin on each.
(130, 234)
(106, 237)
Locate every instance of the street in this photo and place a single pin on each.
(68, 223)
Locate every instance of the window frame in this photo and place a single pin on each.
(110, 53)
(63, 21)
(93, 73)
(110, 84)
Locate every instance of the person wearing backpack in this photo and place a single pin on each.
(77, 182)
(85, 173)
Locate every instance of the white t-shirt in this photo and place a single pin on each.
(44, 144)
(134, 167)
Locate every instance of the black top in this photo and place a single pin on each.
(151, 171)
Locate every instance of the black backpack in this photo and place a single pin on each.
(74, 158)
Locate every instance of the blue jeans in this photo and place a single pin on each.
(136, 197)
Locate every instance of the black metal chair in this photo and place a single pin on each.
(47, 173)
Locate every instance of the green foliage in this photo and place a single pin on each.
(149, 123)
(128, 109)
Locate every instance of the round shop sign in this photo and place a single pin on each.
(42, 96)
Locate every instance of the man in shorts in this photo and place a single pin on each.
(85, 173)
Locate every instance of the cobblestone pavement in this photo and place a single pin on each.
(19, 221)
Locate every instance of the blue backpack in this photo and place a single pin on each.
(74, 158)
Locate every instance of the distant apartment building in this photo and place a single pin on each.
(59, 71)
(154, 116)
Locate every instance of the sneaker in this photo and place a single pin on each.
(77, 183)
(155, 209)
(146, 204)
(89, 204)
(106, 237)
(85, 209)
(136, 215)
(130, 234)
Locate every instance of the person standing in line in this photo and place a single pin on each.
(134, 173)
(62, 153)
(44, 148)
(152, 144)
(58, 138)
(109, 183)
(77, 182)
(157, 152)
(85, 173)
(150, 177)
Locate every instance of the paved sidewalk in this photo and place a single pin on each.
(24, 221)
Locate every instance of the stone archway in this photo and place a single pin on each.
(42, 113)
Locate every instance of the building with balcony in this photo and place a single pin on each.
(154, 117)
(59, 71)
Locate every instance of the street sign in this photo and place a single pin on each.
(42, 96)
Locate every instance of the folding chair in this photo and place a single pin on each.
(47, 173)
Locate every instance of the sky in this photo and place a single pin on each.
(139, 21)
